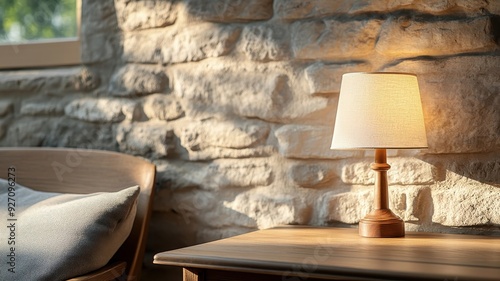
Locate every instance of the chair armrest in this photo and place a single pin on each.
(107, 273)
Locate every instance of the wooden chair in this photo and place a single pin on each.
(88, 171)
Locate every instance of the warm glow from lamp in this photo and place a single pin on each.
(379, 111)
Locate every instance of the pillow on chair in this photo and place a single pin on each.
(58, 235)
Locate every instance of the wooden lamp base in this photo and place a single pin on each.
(381, 222)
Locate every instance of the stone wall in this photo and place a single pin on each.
(235, 102)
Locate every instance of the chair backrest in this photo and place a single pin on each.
(87, 171)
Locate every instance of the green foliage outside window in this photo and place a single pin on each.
(22, 20)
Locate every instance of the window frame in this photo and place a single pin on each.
(44, 53)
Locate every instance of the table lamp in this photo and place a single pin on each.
(380, 111)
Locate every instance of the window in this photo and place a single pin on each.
(37, 33)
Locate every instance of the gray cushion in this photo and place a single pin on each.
(59, 236)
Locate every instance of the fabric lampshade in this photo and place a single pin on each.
(379, 110)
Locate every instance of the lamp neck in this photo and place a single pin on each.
(381, 196)
(381, 156)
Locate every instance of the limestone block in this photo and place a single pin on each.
(53, 80)
(326, 78)
(485, 171)
(98, 16)
(450, 7)
(135, 15)
(460, 109)
(410, 171)
(199, 135)
(238, 173)
(195, 43)
(269, 211)
(162, 107)
(218, 175)
(6, 107)
(58, 132)
(301, 141)
(297, 9)
(99, 47)
(133, 80)
(403, 171)
(265, 42)
(218, 88)
(89, 135)
(147, 139)
(100, 109)
(417, 38)
(200, 42)
(409, 203)
(132, 111)
(334, 39)
(311, 175)
(87, 80)
(467, 204)
(213, 89)
(43, 106)
(474, 7)
(231, 10)
(358, 173)
(135, 51)
(494, 7)
(347, 207)
(190, 203)
(211, 153)
(26, 132)
(175, 175)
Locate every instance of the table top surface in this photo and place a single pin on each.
(320, 252)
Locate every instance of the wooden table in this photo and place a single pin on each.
(294, 253)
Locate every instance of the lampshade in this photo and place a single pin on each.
(379, 110)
